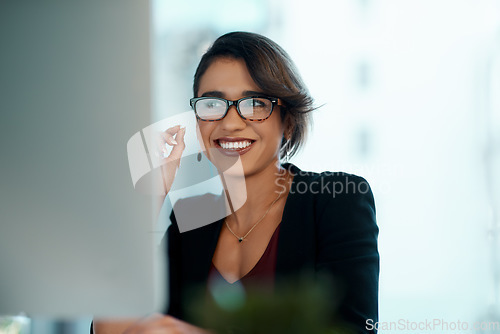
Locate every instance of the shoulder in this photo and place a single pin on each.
(330, 188)
(339, 203)
(339, 177)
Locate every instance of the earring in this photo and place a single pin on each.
(198, 157)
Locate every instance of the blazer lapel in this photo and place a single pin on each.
(198, 249)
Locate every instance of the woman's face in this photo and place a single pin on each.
(229, 78)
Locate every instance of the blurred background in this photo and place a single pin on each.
(410, 99)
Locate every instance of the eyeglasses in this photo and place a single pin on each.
(212, 109)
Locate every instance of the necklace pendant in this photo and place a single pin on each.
(240, 239)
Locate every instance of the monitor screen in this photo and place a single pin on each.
(75, 237)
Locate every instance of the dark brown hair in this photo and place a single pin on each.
(275, 73)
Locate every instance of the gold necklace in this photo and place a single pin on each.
(240, 239)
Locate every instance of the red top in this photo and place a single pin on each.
(262, 272)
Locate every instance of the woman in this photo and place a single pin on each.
(252, 106)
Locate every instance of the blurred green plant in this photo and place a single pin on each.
(300, 306)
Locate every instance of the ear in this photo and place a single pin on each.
(288, 128)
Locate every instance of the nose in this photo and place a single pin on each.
(232, 121)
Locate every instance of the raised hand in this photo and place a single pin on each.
(173, 136)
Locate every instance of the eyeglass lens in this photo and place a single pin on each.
(250, 108)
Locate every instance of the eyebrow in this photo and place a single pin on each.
(216, 93)
(213, 93)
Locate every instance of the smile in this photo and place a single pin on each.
(234, 145)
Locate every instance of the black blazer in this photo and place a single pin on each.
(328, 226)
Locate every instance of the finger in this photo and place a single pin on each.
(179, 137)
(169, 139)
(173, 130)
(160, 330)
(156, 323)
(169, 322)
(177, 150)
(153, 321)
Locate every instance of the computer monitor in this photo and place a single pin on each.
(75, 237)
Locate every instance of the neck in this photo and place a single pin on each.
(262, 188)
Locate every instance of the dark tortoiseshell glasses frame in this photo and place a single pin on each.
(229, 103)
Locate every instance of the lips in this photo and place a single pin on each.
(234, 145)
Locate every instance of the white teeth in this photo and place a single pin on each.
(234, 145)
